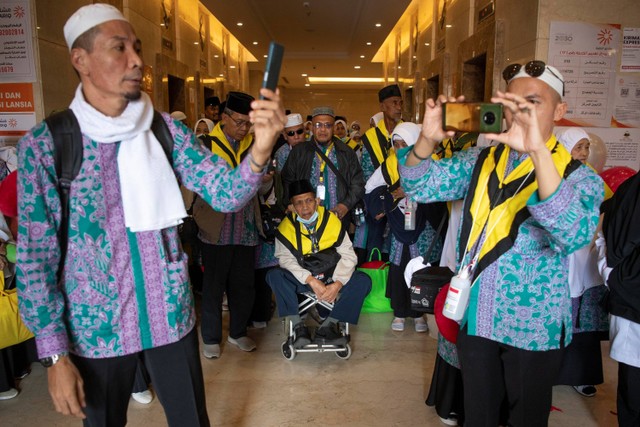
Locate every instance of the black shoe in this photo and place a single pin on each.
(330, 334)
(301, 335)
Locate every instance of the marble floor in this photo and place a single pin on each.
(384, 383)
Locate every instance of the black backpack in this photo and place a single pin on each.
(67, 153)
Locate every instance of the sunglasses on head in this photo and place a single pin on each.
(295, 132)
(532, 68)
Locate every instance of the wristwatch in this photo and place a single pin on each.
(48, 362)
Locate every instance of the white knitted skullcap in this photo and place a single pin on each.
(293, 120)
(88, 17)
(556, 82)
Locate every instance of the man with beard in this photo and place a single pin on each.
(120, 290)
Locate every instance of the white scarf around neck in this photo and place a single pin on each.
(151, 198)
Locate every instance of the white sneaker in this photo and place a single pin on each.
(211, 351)
(144, 397)
(243, 343)
(420, 324)
(397, 324)
(9, 394)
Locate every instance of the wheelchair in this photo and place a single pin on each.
(309, 301)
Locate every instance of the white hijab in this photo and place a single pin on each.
(151, 198)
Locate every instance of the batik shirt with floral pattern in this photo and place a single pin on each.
(120, 292)
(522, 298)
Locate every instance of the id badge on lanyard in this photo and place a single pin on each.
(321, 192)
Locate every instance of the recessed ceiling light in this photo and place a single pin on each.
(448, 25)
(378, 25)
(216, 56)
(368, 43)
(304, 74)
(239, 24)
(414, 57)
(307, 84)
(346, 80)
(221, 75)
(255, 43)
(266, 56)
(357, 67)
(362, 56)
(233, 66)
(196, 43)
(426, 44)
(399, 67)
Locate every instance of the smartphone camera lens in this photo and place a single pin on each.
(489, 118)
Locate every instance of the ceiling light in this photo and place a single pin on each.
(307, 84)
(426, 44)
(346, 79)
(221, 75)
(266, 56)
(414, 57)
(196, 43)
(378, 25)
(362, 56)
(448, 25)
(233, 66)
(304, 74)
(239, 24)
(216, 56)
(255, 43)
(357, 67)
(368, 43)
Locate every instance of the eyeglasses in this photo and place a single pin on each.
(532, 68)
(325, 125)
(295, 132)
(239, 123)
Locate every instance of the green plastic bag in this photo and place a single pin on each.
(378, 271)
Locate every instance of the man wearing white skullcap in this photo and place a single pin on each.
(527, 205)
(294, 134)
(113, 287)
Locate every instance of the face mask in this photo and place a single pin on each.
(309, 221)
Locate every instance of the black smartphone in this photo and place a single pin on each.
(472, 117)
(272, 68)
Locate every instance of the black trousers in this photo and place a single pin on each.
(397, 290)
(230, 269)
(628, 395)
(262, 305)
(491, 371)
(176, 374)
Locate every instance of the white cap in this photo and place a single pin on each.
(88, 17)
(178, 115)
(571, 136)
(293, 120)
(551, 76)
(407, 131)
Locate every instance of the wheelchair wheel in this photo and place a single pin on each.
(288, 351)
(344, 354)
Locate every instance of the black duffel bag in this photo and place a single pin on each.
(322, 264)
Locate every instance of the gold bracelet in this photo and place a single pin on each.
(413, 150)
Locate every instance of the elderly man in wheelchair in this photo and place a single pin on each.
(316, 260)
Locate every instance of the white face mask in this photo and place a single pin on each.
(309, 221)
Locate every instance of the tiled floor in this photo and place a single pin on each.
(384, 383)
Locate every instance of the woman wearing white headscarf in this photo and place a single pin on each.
(203, 127)
(582, 359)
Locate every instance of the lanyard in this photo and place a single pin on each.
(323, 164)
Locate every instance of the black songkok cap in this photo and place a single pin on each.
(388, 92)
(239, 102)
(300, 187)
(212, 100)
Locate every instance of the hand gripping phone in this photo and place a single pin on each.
(272, 68)
(472, 117)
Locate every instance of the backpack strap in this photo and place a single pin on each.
(163, 135)
(67, 152)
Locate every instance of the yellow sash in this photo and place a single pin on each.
(493, 204)
(328, 232)
(221, 146)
